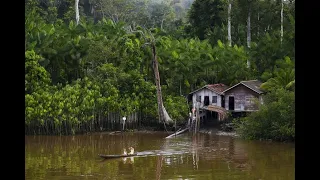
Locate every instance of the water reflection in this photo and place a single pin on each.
(128, 160)
(207, 148)
(159, 167)
(184, 157)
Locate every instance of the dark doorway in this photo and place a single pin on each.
(211, 119)
(231, 103)
(222, 101)
(206, 100)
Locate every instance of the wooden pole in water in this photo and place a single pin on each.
(198, 121)
(177, 133)
(193, 118)
(175, 127)
(124, 122)
(197, 118)
(189, 120)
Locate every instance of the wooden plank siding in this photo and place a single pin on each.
(243, 98)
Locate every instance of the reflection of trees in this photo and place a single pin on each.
(195, 146)
(77, 155)
(236, 155)
(218, 147)
(159, 167)
(271, 155)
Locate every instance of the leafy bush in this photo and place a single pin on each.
(275, 120)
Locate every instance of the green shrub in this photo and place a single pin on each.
(275, 119)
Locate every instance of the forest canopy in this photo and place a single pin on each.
(88, 62)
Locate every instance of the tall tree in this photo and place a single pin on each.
(281, 21)
(229, 23)
(205, 16)
(77, 11)
(249, 31)
(160, 14)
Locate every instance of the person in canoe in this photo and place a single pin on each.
(131, 150)
(131, 159)
(125, 151)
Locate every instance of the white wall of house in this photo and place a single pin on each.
(206, 92)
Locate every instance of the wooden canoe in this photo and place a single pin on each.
(116, 156)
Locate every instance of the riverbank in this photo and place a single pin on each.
(212, 131)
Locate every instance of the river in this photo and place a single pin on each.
(203, 156)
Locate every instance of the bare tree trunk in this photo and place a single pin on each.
(167, 118)
(229, 23)
(180, 87)
(161, 26)
(249, 32)
(77, 11)
(258, 24)
(157, 78)
(281, 22)
(117, 18)
(101, 8)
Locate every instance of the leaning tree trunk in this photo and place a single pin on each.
(229, 24)
(281, 22)
(163, 115)
(157, 79)
(166, 115)
(77, 11)
(248, 32)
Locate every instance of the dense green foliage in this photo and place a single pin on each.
(86, 76)
(205, 16)
(276, 116)
(275, 119)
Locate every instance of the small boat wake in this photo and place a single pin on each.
(143, 154)
(116, 156)
(162, 152)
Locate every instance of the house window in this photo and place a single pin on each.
(214, 99)
(199, 98)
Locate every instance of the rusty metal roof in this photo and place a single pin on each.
(217, 88)
(252, 84)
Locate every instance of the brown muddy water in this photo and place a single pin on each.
(203, 156)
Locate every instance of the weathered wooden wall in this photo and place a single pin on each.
(243, 98)
(206, 92)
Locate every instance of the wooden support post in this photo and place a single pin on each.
(192, 124)
(124, 122)
(197, 119)
(189, 120)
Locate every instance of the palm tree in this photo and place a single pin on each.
(284, 76)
